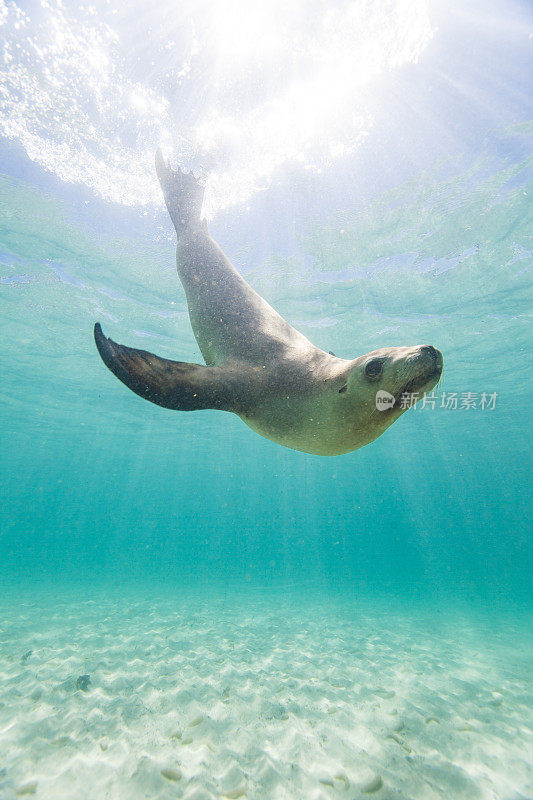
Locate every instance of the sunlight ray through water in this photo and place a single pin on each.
(265, 85)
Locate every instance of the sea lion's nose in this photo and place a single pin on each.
(434, 356)
(429, 350)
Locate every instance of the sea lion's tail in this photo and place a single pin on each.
(171, 384)
(183, 195)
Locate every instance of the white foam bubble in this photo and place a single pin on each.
(241, 90)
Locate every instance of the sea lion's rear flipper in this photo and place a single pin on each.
(171, 384)
(183, 195)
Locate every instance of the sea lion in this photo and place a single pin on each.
(257, 365)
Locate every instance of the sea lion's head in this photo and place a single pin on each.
(352, 402)
(386, 382)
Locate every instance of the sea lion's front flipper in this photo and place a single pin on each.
(171, 384)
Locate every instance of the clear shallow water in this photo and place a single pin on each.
(102, 483)
(421, 233)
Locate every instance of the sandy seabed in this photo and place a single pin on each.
(259, 697)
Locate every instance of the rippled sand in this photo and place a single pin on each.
(258, 697)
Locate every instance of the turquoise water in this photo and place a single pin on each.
(408, 221)
(101, 485)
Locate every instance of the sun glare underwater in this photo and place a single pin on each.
(190, 610)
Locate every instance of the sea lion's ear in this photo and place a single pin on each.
(171, 384)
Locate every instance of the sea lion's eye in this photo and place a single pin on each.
(374, 368)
